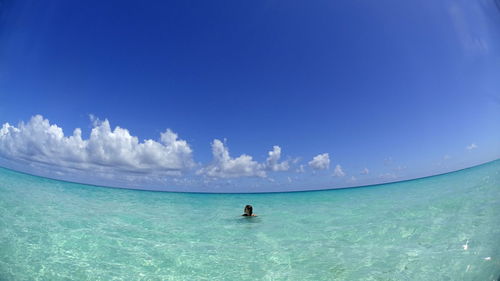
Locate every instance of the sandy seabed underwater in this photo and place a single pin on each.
(444, 227)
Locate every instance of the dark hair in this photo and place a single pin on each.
(249, 208)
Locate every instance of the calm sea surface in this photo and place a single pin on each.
(439, 228)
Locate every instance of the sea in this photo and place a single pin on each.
(444, 227)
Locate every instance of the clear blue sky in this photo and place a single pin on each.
(401, 89)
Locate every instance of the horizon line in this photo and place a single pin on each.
(259, 192)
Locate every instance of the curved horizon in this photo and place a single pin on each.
(115, 157)
(364, 135)
(264, 192)
(55, 231)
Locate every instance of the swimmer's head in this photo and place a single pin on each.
(248, 210)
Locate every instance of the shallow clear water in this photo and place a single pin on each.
(415, 230)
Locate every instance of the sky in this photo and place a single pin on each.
(239, 96)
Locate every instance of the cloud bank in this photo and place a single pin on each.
(105, 151)
(114, 156)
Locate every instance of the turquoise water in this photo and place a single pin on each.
(439, 228)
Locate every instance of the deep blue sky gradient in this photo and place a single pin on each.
(364, 81)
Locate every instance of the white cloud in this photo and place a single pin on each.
(338, 172)
(114, 155)
(446, 157)
(223, 166)
(353, 179)
(320, 162)
(471, 146)
(365, 171)
(106, 151)
(272, 162)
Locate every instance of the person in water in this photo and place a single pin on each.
(248, 211)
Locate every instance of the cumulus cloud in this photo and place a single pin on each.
(224, 166)
(272, 162)
(320, 162)
(338, 172)
(106, 151)
(365, 171)
(471, 146)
